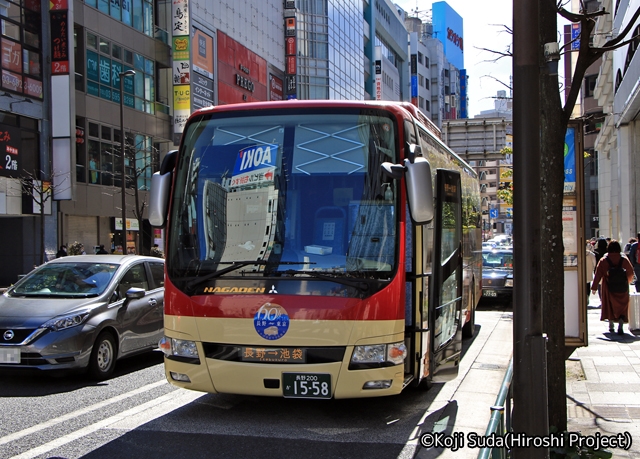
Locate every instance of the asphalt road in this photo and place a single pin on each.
(137, 414)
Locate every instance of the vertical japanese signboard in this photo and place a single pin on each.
(59, 23)
(202, 65)
(573, 239)
(181, 66)
(378, 79)
(275, 88)
(414, 79)
(291, 45)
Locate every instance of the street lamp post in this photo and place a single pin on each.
(122, 158)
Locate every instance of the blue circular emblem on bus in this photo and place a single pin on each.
(271, 321)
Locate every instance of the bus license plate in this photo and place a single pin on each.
(306, 385)
(10, 355)
(491, 293)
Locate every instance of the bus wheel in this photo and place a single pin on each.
(469, 329)
(425, 383)
(103, 357)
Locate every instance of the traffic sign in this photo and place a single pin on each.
(493, 213)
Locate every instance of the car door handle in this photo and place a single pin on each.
(153, 302)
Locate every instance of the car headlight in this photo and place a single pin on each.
(508, 283)
(178, 347)
(68, 321)
(379, 354)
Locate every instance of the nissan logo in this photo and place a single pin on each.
(8, 335)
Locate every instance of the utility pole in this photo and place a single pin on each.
(530, 413)
(123, 164)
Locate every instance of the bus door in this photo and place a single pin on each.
(446, 287)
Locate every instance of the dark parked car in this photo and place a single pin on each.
(82, 311)
(497, 274)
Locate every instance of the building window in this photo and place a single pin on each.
(419, 57)
(136, 13)
(618, 80)
(421, 102)
(593, 164)
(426, 83)
(103, 156)
(590, 85)
(427, 106)
(595, 208)
(21, 43)
(103, 70)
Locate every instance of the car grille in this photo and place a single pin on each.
(32, 359)
(19, 335)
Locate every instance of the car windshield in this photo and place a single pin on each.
(497, 259)
(66, 279)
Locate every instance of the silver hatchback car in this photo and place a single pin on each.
(82, 312)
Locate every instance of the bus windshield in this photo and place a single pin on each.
(298, 194)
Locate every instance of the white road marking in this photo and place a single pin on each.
(74, 414)
(131, 418)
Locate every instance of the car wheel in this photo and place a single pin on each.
(103, 356)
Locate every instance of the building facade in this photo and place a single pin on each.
(25, 169)
(438, 83)
(617, 145)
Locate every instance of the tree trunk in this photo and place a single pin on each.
(42, 251)
(552, 132)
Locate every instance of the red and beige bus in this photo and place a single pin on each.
(316, 249)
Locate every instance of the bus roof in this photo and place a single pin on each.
(405, 109)
(295, 103)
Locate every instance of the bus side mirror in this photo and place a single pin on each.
(419, 190)
(160, 188)
(417, 173)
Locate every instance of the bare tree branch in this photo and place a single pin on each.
(499, 81)
(626, 30)
(501, 54)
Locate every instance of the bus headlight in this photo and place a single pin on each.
(378, 355)
(178, 347)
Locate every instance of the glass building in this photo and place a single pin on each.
(330, 47)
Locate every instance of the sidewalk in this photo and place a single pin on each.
(603, 384)
(463, 405)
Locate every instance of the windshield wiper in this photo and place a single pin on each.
(361, 284)
(235, 265)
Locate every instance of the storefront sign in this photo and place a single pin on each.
(59, 42)
(202, 54)
(244, 83)
(181, 65)
(10, 140)
(275, 88)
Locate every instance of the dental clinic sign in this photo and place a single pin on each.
(255, 165)
(448, 28)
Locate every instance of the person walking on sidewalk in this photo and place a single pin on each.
(633, 257)
(614, 293)
(599, 252)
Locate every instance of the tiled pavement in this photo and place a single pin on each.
(603, 384)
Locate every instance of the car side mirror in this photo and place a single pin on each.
(135, 293)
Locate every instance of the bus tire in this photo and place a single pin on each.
(103, 356)
(469, 329)
(425, 383)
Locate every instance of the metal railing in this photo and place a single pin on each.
(500, 422)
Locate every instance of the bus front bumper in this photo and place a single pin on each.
(218, 376)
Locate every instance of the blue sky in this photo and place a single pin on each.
(483, 24)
